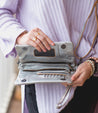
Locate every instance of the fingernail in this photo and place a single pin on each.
(44, 50)
(49, 48)
(53, 44)
(39, 50)
(72, 79)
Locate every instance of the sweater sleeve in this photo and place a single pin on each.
(10, 28)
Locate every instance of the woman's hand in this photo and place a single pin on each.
(82, 73)
(35, 38)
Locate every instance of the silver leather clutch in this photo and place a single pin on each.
(56, 65)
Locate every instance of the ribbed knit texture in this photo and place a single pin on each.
(64, 22)
(48, 95)
(61, 20)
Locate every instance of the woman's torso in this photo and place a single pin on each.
(61, 20)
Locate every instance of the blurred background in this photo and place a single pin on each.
(10, 95)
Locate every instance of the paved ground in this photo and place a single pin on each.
(15, 106)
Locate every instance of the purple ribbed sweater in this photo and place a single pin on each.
(61, 20)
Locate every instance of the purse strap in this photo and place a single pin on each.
(94, 39)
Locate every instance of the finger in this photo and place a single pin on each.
(65, 84)
(47, 38)
(36, 43)
(41, 37)
(32, 43)
(75, 75)
(40, 45)
(77, 84)
(44, 41)
(79, 81)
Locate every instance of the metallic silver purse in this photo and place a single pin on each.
(56, 65)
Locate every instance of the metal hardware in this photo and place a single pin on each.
(63, 46)
(61, 102)
(41, 73)
(53, 75)
(23, 80)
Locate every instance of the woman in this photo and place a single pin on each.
(40, 23)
